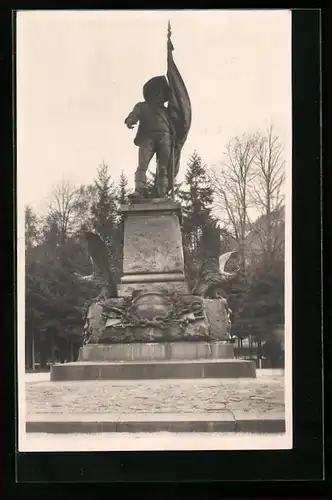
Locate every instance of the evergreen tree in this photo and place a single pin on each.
(33, 315)
(103, 209)
(196, 199)
(118, 233)
(122, 190)
(105, 217)
(55, 299)
(259, 311)
(31, 228)
(263, 309)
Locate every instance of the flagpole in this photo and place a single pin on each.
(173, 169)
(169, 49)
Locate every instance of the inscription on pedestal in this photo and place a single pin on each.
(152, 244)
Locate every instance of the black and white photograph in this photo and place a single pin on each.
(154, 230)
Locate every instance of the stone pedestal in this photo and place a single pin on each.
(154, 304)
(152, 254)
(156, 351)
(155, 328)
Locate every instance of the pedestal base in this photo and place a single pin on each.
(156, 351)
(224, 368)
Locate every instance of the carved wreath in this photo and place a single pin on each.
(177, 315)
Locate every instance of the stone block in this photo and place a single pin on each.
(152, 277)
(153, 205)
(152, 239)
(95, 319)
(195, 369)
(155, 351)
(220, 350)
(126, 289)
(217, 317)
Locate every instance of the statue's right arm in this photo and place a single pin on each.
(133, 116)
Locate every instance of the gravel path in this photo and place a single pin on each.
(263, 394)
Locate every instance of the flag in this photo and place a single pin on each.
(179, 107)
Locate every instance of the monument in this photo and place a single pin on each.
(151, 325)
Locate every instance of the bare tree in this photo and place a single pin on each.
(268, 196)
(67, 209)
(232, 184)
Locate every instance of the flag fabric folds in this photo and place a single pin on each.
(179, 108)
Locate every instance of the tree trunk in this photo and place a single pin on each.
(259, 352)
(27, 353)
(43, 356)
(33, 356)
(242, 258)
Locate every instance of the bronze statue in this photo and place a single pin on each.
(162, 130)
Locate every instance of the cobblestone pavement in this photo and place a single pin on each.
(263, 394)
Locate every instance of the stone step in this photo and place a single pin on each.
(157, 422)
(194, 369)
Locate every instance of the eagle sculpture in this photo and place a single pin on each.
(212, 276)
(102, 275)
(223, 260)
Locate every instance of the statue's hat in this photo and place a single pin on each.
(156, 83)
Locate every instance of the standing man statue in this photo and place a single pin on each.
(162, 130)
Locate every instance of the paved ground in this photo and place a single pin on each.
(260, 395)
(161, 441)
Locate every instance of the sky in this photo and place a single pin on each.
(79, 73)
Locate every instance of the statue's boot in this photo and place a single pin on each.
(140, 186)
(134, 196)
